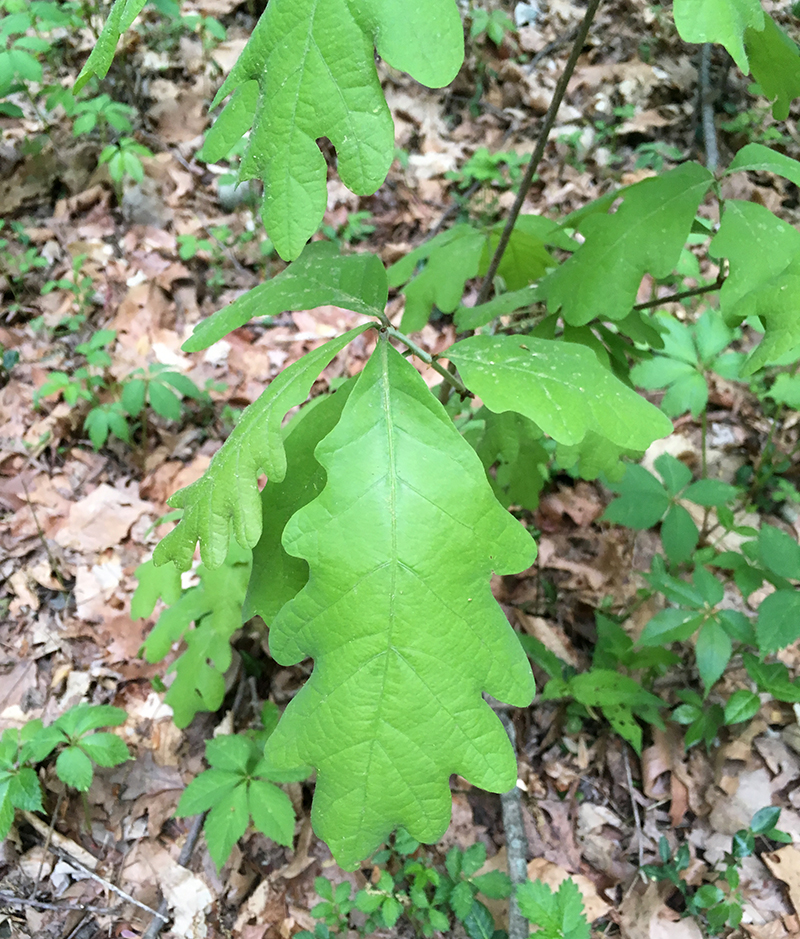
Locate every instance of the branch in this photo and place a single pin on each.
(706, 93)
(538, 153)
(428, 359)
(673, 298)
(516, 842)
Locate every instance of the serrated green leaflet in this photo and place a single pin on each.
(122, 15)
(775, 64)
(406, 531)
(315, 67)
(755, 156)
(319, 276)
(277, 576)
(561, 387)
(646, 234)
(764, 280)
(227, 495)
(722, 21)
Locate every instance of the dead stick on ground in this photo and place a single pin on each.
(516, 843)
(160, 918)
(635, 805)
(66, 907)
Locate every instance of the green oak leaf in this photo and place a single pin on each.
(399, 618)
(722, 21)
(227, 495)
(122, 15)
(513, 444)
(277, 576)
(154, 583)
(314, 63)
(560, 386)
(775, 64)
(763, 253)
(319, 276)
(215, 606)
(452, 258)
(646, 234)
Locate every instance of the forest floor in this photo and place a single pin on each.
(77, 522)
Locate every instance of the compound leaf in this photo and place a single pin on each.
(315, 67)
(646, 234)
(722, 21)
(406, 531)
(319, 276)
(227, 495)
(562, 387)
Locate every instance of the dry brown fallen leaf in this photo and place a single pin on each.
(785, 865)
(645, 915)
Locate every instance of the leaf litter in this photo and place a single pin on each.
(77, 523)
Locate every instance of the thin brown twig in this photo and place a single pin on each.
(13, 900)
(538, 153)
(675, 297)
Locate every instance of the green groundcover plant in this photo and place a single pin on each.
(385, 510)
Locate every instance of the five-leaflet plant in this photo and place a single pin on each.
(377, 532)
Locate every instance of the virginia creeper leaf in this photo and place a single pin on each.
(399, 618)
(775, 64)
(315, 67)
(778, 623)
(646, 234)
(560, 386)
(277, 576)
(722, 21)
(122, 15)
(319, 276)
(226, 823)
(227, 495)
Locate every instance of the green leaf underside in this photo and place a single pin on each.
(227, 496)
(315, 66)
(398, 538)
(562, 387)
(318, 277)
(646, 234)
(722, 21)
(764, 280)
(122, 15)
(277, 576)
